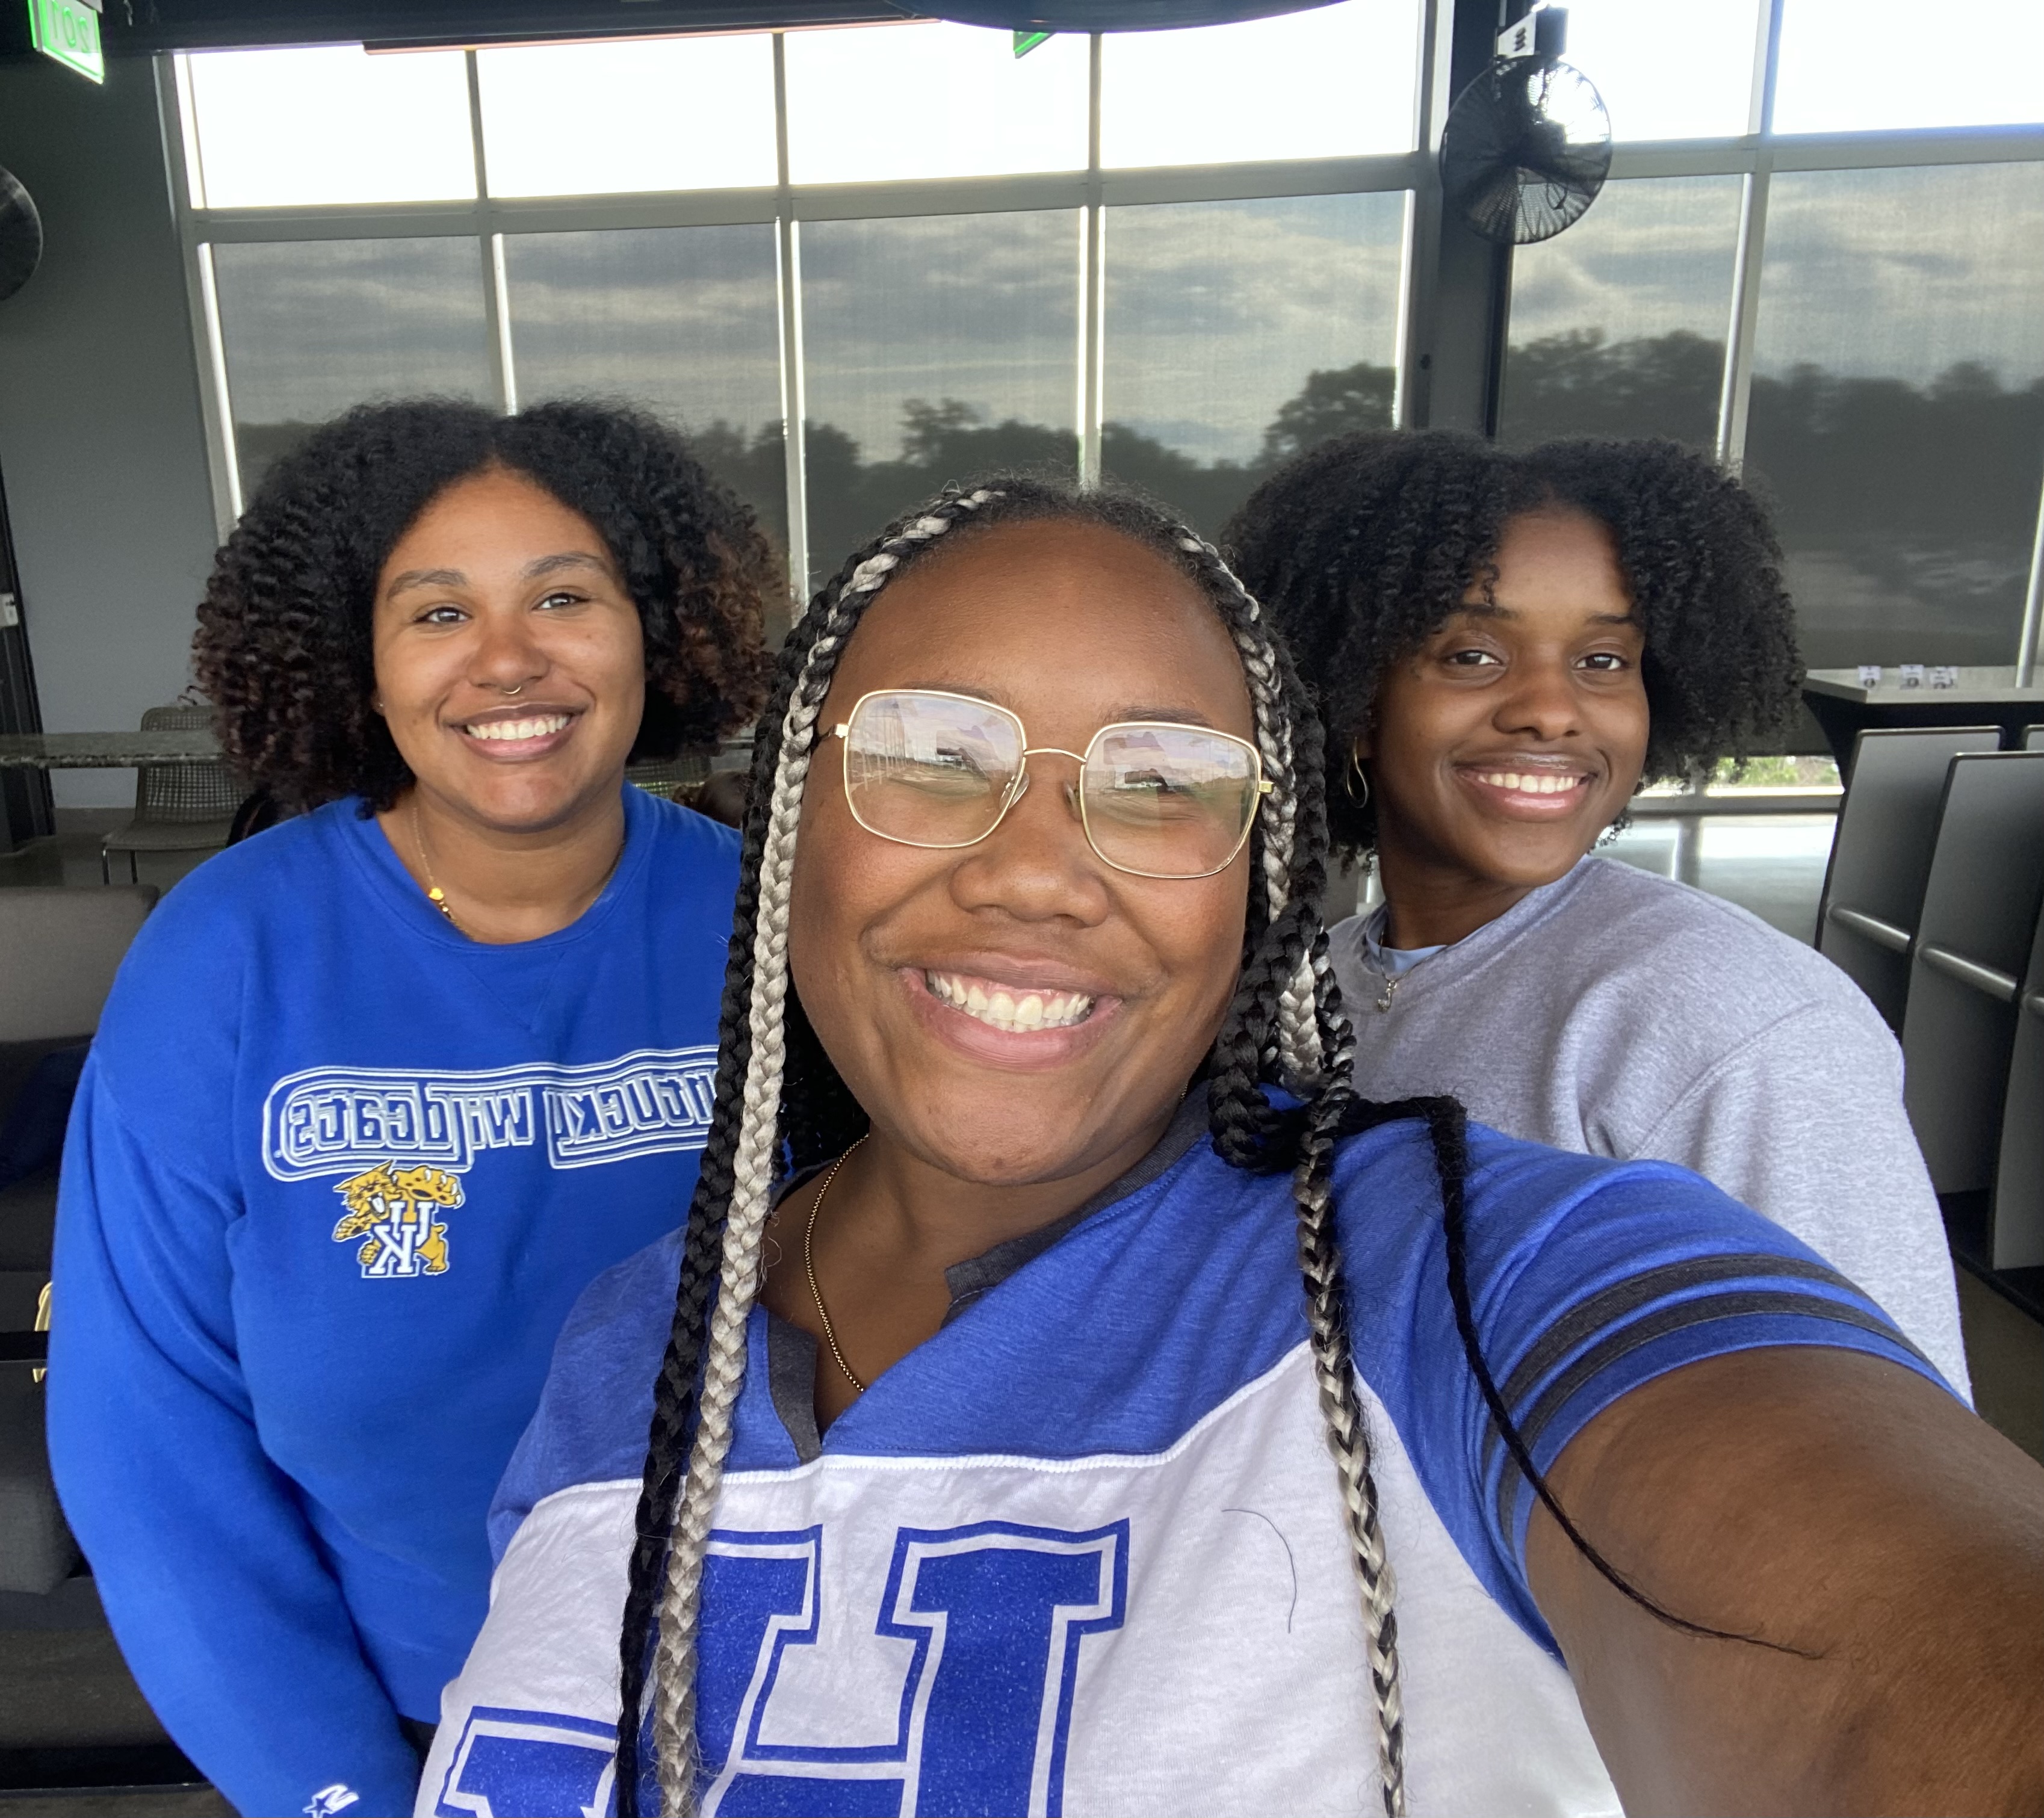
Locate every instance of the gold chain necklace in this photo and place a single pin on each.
(434, 894)
(810, 1268)
(438, 897)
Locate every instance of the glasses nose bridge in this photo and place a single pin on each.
(1071, 790)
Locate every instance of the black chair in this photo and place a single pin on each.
(1972, 950)
(59, 949)
(2015, 1215)
(1881, 856)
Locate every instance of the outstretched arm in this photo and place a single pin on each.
(1889, 1543)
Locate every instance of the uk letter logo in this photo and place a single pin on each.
(970, 1709)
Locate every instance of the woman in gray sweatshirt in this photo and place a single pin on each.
(1505, 645)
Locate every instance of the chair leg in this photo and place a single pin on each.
(106, 868)
(134, 867)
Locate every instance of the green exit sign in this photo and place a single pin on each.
(68, 30)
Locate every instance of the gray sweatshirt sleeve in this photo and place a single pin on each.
(1804, 1122)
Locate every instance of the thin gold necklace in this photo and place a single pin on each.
(810, 1268)
(438, 897)
(434, 894)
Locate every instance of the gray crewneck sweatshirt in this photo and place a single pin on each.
(1616, 1013)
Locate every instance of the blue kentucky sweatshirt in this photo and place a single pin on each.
(336, 1175)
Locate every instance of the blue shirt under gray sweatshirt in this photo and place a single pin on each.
(336, 1175)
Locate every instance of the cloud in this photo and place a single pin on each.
(1904, 272)
(1652, 255)
(1217, 311)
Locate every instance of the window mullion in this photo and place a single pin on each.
(794, 411)
(1093, 284)
(1735, 399)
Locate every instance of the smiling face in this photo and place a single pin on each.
(1018, 1010)
(1501, 751)
(510, 664)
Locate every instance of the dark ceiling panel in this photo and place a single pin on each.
(138, 26)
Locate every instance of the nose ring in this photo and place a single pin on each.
(508, 692)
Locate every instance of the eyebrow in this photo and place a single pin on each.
(1178, 715)
(567, 558)
(531, 571)
(1490, 609)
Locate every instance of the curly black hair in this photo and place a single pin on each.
(284, 645)
(1364, 547)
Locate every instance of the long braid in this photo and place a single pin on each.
(674, 1392)
(1289, 998)
(735, 1193)
(1283, 1028)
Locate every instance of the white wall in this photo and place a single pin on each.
(101, 445)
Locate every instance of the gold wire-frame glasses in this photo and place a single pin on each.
(928, 768)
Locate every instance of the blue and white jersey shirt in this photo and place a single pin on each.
(1082, 1550)
(337, 1173)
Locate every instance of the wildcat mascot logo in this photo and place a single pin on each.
(392, 1210)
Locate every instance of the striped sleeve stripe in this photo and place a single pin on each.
(1610, 1306)
(1857, 1315)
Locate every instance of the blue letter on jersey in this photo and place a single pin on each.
(529, 1764)
(995, 1613)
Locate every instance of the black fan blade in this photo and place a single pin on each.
(21, 234)
(1525, 151)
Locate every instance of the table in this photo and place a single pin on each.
(1986, 695)
(105, 750)
(21, 821)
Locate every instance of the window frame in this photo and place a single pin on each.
(1754, 156)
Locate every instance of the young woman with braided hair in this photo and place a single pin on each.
(988, 1464)
(1504, 645)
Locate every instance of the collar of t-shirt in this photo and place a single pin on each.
(791, 1352)
(1388, 962)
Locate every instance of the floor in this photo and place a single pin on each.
(1772, 865)
(72, 856)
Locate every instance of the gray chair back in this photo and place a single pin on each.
(2033, 738)
(2015, 1217)
(1880, 856)
(183, 792)
(1972, 949)
(59, 948)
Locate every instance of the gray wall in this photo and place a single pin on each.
(101, 444)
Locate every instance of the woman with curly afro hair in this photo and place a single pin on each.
(380, 1090)
(1505, 646)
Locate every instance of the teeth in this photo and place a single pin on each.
(1002, 1010)
(1537, 783)
(509, 730)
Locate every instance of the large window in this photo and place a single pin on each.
(1898, 406)
(936, 347)
(1239, 333)
(679, 321)
(1619, 325)
(677, 114)
(1175, 259)
(923, 242)
(388, 318)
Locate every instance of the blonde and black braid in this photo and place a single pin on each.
(779, 1102)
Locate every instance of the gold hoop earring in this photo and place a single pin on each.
(1353, 775)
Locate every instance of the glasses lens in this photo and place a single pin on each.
(1168, 801)
(929, 770)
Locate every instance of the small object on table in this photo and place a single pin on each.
(1911, 675)
(1944, 675)
(1870, 675)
